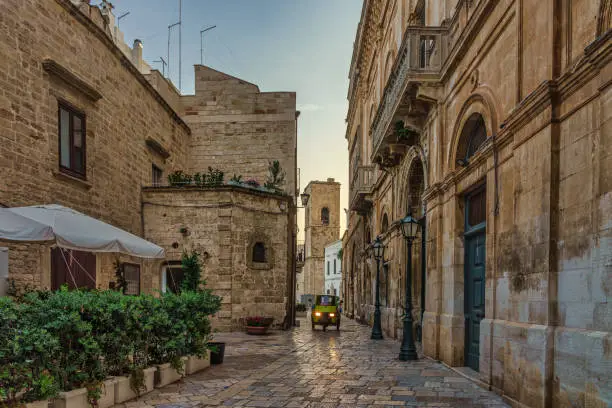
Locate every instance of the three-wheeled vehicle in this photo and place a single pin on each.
(325, 311)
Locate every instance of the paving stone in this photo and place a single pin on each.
(314, 369)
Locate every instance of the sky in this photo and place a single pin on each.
(304, 46)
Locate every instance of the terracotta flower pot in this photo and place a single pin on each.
(257, 329)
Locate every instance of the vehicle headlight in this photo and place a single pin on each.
(332, 314)
(317, 313)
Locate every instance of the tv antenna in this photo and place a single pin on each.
(121, 16)
(170, 27)
(164, 63)
(202, 42)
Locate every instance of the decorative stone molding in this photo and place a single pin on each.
(56, 69)
(157, 148)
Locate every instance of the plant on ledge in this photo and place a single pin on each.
(404, 133)
(213, 178)
(276, 176)
(236, 179)
(179, 178)
(252, 183)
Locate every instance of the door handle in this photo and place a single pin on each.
(479, 314)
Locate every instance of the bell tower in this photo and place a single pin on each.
(322, 227)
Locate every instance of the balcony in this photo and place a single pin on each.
(361, 189)
(406, 97)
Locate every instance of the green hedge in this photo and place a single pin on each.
(52, 341)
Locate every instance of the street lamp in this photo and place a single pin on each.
(304, 198)
(378, 250)
(410, 230)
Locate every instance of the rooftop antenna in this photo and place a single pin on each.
(164, 63)
(121, 16)
(168, 56)
(202, 43)
(180, 41)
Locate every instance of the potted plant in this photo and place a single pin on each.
(217, 352)
(258, 324)
(252, 183)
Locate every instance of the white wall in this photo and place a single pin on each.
(333, 280)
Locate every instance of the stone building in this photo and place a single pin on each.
(86, 123)
(322, 227)
(491, 120)
(333, 268)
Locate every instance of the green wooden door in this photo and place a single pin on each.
(475, 255)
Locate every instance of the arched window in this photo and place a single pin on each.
(473, 135)
(325, 216)
(259, 252)
(416, 185)
(384, 226)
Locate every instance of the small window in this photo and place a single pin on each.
(385, 224)
(335, 292)
(172, 279)
(325, 216)
(328, 267)
(259, 252)
(334, 266)
(328, 291)
(72, 149)
(156, 175)
(131, 274)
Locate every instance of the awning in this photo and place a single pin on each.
(71, 229)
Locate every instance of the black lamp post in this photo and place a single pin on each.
(410, 230)
(378, 250)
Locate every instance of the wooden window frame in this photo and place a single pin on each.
(123, 265)
(72, 112)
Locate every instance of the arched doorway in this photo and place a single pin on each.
(473, 136)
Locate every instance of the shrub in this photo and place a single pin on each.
(300, 307)
(72, 339)
(26, 354)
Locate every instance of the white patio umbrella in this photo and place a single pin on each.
(72, 230)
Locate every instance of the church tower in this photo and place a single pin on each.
(322, 227)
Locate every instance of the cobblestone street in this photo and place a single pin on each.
(302, 368)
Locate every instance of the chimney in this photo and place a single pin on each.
(137, 54)
(330, 180)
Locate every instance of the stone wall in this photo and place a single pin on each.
(223, 224)
(545, 336)
(239, 129)
(129, 112)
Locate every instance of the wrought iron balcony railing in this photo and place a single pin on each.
(420, 59)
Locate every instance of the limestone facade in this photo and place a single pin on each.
(136, 127)
(503, 153)
(322, 227)
(224, 224)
